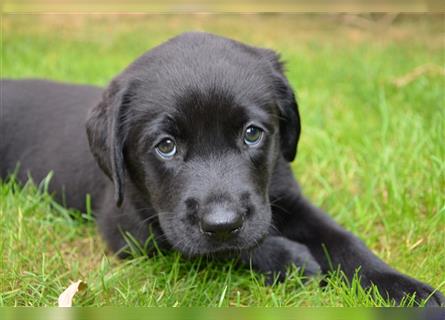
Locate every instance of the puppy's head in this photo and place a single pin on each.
(196, 126)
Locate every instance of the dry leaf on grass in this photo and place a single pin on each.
(417, 72)
(66, 298)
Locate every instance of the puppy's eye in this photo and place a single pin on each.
(253, 136)
(166, 149)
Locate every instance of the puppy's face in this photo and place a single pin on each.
(205, 160)
(197, 127)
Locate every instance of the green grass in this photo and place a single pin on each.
(372, 154)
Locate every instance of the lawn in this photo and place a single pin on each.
(371, 154)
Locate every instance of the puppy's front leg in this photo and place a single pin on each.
(333, 247)
(275, 254)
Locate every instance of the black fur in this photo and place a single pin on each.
(202, 91)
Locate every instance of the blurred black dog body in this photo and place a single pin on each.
(195, 139)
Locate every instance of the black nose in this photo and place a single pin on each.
(221, 223)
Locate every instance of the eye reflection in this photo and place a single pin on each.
(253, 136)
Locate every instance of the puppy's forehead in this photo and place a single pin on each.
(215, 107)
(210, 82)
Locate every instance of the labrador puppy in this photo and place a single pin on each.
(193, 142)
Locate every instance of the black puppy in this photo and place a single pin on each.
(197, 134)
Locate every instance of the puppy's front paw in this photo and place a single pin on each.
(396, 286)
(276, 254)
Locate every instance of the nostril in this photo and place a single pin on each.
(249, 211)
(192, 204)
(221, 222)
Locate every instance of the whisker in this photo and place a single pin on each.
(275, 200)
(279, 207)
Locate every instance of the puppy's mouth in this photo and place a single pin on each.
(223, 249)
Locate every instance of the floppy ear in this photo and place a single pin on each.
(106, 135)
(290, 126)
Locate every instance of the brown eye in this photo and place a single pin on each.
(166, 149)
(253, 136)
